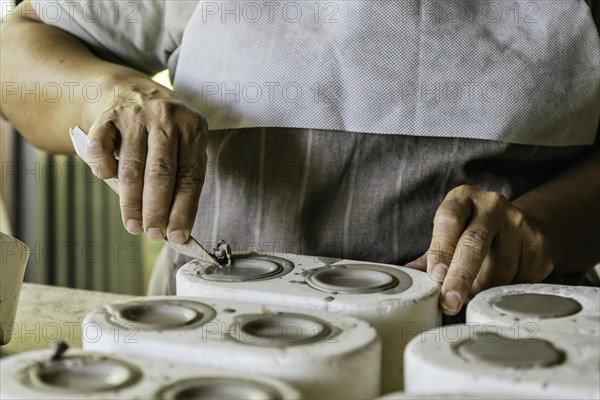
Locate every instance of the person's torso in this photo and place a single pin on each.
(415, 105)
(525, 72)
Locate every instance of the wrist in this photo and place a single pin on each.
(117, 85)
(548, 224)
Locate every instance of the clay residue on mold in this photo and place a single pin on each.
(506, 352)
(83, 374)
(218, 388)
(357, 279)
(282, 329)
(249, 267)
(160, 314)
(537, 305)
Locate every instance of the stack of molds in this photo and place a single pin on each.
(566, 309)
(504, 361)
(80, 374)
(323, 355)
(399, 302)
(446, 396)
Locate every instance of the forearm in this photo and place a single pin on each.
(51, 81)
(567, 209)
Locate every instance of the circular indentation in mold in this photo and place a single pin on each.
(353, 280)
(159, 314)
(83, 374)
(537, 305)
(510, 353)
(219, 388)
(282, 330)
(358, 279)
(249, 267)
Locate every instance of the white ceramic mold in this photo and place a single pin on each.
(81, 374)
(566, 309)
(451, 396)
(399, 302)
(323, 355)
(13, 260)
(499, 360)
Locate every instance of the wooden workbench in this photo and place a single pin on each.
(50, 313)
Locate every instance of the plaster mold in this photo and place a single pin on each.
(566, 309)
(491, 359)
(399, 302)
(81, 374)
(323, 355)
(12, 270)
(447, 396)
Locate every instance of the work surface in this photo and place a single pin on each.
(49, 313)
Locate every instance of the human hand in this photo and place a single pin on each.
(480, 240)
(154, 143)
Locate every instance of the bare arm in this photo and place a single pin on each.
(568, 210)
(160, 140)
(481, 240)
(37, 59)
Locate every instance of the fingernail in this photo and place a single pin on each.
(178, 237)
(155, 234)
(451, 302)
(95, 169)
(134, 226)
(438, 272)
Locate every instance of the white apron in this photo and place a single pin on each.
(523, 72)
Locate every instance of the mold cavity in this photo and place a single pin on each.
(358, 279)
(250, 267)
(84, 374)
(282, 330)
(534, 305)
(161, 314)
(219, 388)
(510, 353)
(355, 279)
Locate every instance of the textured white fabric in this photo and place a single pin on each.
(142, 34)
(525, 72)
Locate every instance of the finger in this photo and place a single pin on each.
(419, 263)
(472, 248)
(502, 262)
(535, 263)
(190, 179)
(448, 224)
(132, 160)
(103, 140)
(159, 181)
